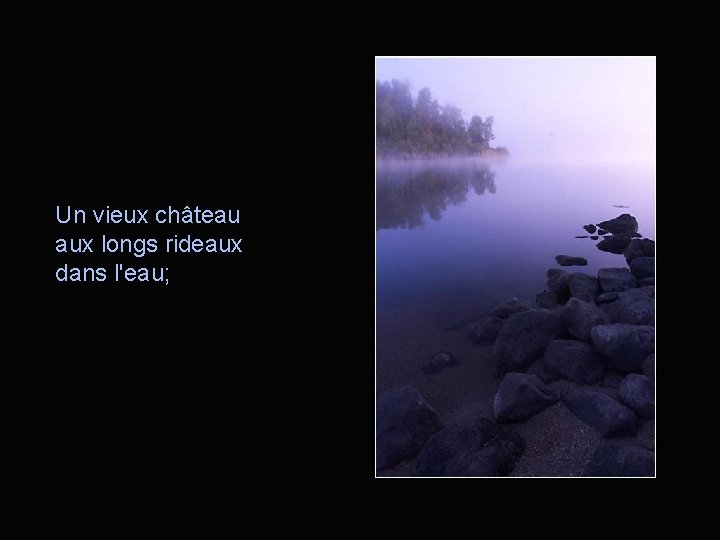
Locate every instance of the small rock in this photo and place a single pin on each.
(582, 236)
(602, 232)
(593, 237)
(590, 228)
(523, 339)
(439, 362)
(620, 459)
(486, 330)
(643, 267)
(583, 286)
(579, 318)
(639, 248)
(557, 283)
(624, 346)
(573, 360)
(606, 297)
(624, 223)
(603, 413)
(404, 424)
(648, 367)
(510, 307)
(615, 279)
(637, 393)
(485, 449)
(615, 243)
(567, 260)
(646, 281)
(546, 299)
(521, 396)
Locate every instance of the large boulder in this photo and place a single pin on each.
(648, 367)
(485, 449)
(485, 330)
(546, 299)
(620, 458)
(583, 286)
(624, 223)
(636, 392)
(567, 260)
(624, 346)
(639, 247)
(521, 396)
(439, 362)
(646, 281)
(573, 360)
(615, 243)
(606, 298)
(523, 338)
(643, 267)
(635, 309)
(510, 307)
(404, 424)
(602, 413)
(579, 318)
(557, 283)
(615, 279)
(647, 290)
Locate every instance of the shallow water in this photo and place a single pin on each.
(474, 231)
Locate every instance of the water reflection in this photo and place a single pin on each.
(404, 194)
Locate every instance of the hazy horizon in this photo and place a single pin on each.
(546, 106)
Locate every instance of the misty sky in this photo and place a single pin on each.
(592, 106)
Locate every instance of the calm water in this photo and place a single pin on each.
(482, 231)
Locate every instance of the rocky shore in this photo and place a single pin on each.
(582, 352)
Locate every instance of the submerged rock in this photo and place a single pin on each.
(523, 339)
(616, 458)
(485, 449)
(573, 360)
(521, 396)
(624, 346)
(643, 267)
(486, 330)
(404, 424)
(510, 307)
(582, 236)
(636, 392)
(579, 318)
(567, 260)
(602, 413)
(439, 362)
(590, 228)
(615, 279)
(583, 286)
(624, 223)
(615, 243)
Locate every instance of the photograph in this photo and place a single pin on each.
(515, 215)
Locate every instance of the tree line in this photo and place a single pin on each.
(421, 127)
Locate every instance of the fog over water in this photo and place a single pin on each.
(546, 106)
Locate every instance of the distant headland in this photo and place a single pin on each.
(421, 128)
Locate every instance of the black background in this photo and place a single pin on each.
(257, 364)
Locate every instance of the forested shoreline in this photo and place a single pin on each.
(420, 127)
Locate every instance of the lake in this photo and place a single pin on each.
(462, 234)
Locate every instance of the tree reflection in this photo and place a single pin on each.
(405, 194)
